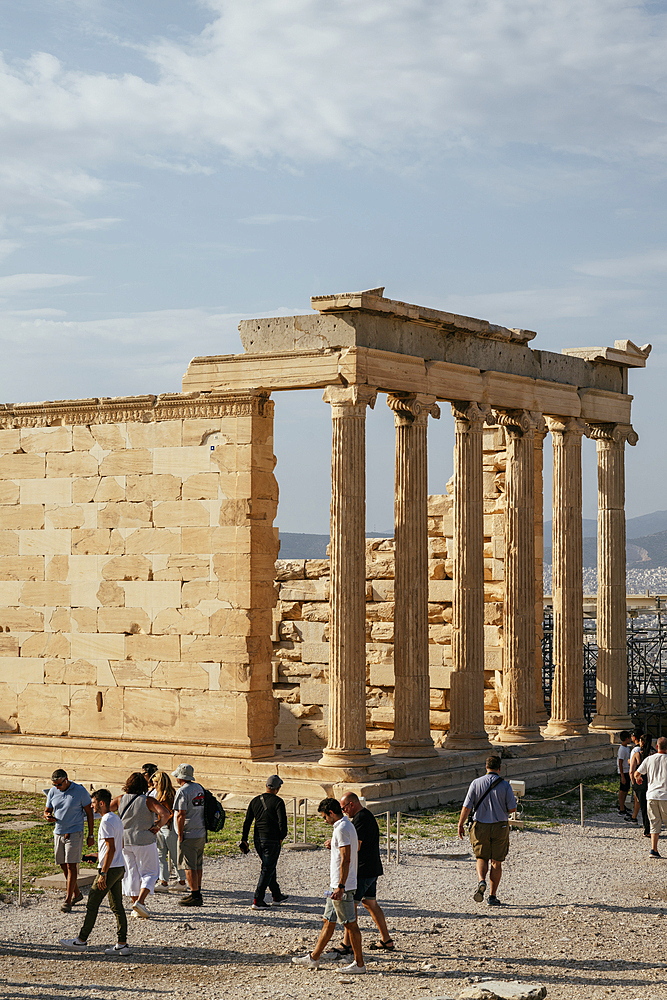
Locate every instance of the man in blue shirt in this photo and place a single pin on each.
(66, 805)
(490, 800)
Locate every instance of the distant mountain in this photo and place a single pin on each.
(635, 527)
(296, 546)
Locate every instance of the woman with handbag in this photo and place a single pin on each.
(142, 818)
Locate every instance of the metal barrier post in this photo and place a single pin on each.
(398, 838)
(305, 821)
(388, 837)
(581, 802)
(21, 874)
(294, 815)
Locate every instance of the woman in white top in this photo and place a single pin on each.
(142, 817)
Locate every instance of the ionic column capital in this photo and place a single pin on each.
(413, 407)
(471, 416)
(520, 423)
(346, 399)
(614, 434)
(570, 428)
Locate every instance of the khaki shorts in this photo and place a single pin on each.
(340, 909)
(490, 841)
(68, 847)
(191, 853)
(657, 814)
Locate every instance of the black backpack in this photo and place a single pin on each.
(214, 814)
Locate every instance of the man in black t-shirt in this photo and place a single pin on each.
(268, 813)
(370, 867)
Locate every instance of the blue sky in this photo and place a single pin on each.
(170, 167)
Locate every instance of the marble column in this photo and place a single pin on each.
(612, 666)
(542, 715)
(412, 731)
(567, 695)
(347, 629)
(466, 726)
(519, 709)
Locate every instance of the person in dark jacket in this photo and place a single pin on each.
(267, 811)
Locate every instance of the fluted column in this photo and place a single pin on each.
(519, 709)
(567, 696)
(347, 631)
(541, 712)
(412, 731)
(612, 667)
(466, 694)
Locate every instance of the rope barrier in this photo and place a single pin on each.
(526, 798)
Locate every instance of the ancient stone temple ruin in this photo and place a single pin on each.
(140, 612)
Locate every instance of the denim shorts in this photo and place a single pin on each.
(340, 909)
(366, 888)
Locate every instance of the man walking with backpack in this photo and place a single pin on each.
(188, 810)
(268, 813)
(489, 802)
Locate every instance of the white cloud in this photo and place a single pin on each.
(631, 268)
(269, 220)
(75, 226)
(311, 80)
(13, 283)
(7, 247)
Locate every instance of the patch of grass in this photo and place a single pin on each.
(600, 793)
(37, 841)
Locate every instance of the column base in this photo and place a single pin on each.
(542, 716)
(345, 758)
(578, 727)
(467, 741)
(520, 734)
(412, 748)
(611, 723)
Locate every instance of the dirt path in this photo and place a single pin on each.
(575, 905)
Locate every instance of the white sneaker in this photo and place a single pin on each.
(306, 960)
(161, 888)
(354, 969)
(140, 910)
(74, 944)
(118, 949)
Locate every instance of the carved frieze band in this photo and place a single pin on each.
(616, 434)
(413, 406)
(146, 409)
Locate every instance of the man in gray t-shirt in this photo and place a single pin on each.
(189, 822)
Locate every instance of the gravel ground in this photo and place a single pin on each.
(575, 905)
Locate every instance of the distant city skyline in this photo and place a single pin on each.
(172, 168)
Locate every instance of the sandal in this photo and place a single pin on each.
(387, 945)
(343, 949)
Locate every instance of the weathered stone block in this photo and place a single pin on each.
(45, 595)
(202, 486)
(198, 591)
(180, 621)
(65, 672)
(22, 516)
(110, 437)
(176, 513)
(43, 491)
(128, 621)
(181, 567)
(440, 675)
(193, 676)
(110, 488)
(85, 717)
(9, 646)
(73, 463)
(153, 541)
(133, 462)
(21, 567)
(161, 434)
(9, 491)
(305, 590)
(22, 467)
(493, 657)
(74, 516)
(290, 569)
(134, 567)
(151, 714)
(315, 652)
(132, 673)
(140, 488)
(9, 543)
(10, 440)
(314, 693)
(313, 612)
(124, 515)
(97, 646)
(201, 648)
(21, 620)
(440, 590)
(183, 462)
(91, 541)
(44, 709)
(382, 631)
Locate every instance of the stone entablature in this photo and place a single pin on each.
(136, 569)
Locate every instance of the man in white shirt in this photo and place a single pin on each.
(623, 762)
(343, 882)
(111, 868)
(654, 768)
